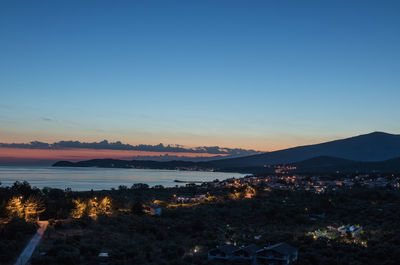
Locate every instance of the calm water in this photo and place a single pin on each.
(102, 178)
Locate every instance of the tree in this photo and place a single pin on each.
(80, 208)
(122, 187)
(137, 208)
(92, 207)
(15, 207)
(140, 186)
(30, 209)
(105, 206)
(22, 188)
(33, 207)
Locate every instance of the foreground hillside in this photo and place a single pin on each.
(185, 232)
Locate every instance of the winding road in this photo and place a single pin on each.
(27, 253)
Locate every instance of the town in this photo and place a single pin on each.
(271, 219)
(314, 183)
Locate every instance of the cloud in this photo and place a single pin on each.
(47, 119)
(141, 147)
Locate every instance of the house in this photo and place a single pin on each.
(154, 209)
(103, 258)
(246, 253)
(196, 198)
(278, 254)
(200, 197)
(353, 230)
(224, 252)
(181, 199)
(250, 192)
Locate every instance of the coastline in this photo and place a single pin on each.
(88, 178)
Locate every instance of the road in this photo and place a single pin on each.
(27, 253)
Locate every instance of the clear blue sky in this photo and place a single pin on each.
(252, 74)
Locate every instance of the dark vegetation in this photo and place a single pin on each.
(15, 232)
(14, 235)
(184, 233)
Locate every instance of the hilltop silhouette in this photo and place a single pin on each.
(376, 146)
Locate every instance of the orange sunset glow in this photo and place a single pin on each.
(78, 154)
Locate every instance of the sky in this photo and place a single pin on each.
(263, 75)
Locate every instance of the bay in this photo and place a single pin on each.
(80, 179)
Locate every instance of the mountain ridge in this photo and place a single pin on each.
(375, 146)
(373, 151)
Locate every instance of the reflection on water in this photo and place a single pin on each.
(101, 178)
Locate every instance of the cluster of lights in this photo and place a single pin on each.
(92, 207)
(28, 209)
(337, 234)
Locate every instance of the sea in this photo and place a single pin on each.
(81, 179)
